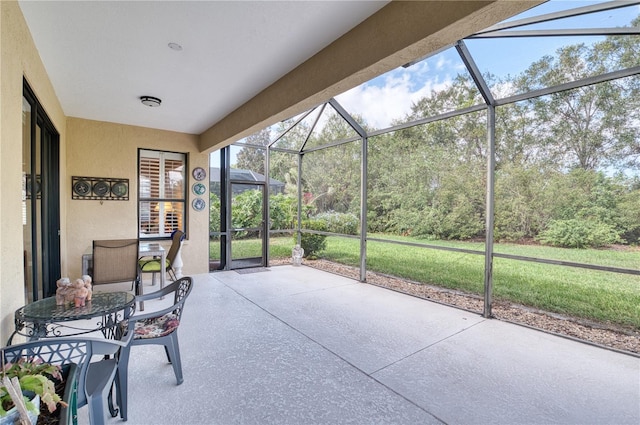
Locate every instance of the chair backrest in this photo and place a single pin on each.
(182, 291)
(115, 260)
(62, 351)
(176, 239)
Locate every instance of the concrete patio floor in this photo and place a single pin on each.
(296, 345)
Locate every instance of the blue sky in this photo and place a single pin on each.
(390, 95)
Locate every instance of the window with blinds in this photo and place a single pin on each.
(161, 193)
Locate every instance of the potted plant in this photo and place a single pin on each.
(37, 382)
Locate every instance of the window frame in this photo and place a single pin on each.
(163, 232)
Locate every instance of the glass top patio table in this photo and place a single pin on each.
(44, 318)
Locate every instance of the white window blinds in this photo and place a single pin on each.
(162, 194)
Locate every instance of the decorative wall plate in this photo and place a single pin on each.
(198, 204)
(198, 188)
(119, 189)
(199, 173)
(34, 186)
(101, 188)
(82, 188)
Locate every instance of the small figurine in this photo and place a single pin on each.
(296, 255)
(79, 292)
(69, 294)
(87, 284)
(63, 285)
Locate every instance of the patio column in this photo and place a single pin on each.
(363, 211)
(488, 255)
(267, 207)
(299, 239)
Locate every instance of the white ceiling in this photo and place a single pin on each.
(101, 56)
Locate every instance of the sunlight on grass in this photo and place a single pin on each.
(588, 294)
(246, 248)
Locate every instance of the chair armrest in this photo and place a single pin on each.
(169, 289)
(109, 346)
(179, 289)
(151, 315)
(150, 296)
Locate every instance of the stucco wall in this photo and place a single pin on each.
(18, 58)
(93, 149)
(100, 149)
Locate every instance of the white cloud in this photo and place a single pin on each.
(391, 96)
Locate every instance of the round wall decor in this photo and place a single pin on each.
(82, 188)
(199, 173)
(198, 204)
(198, 188)
(119, 189)
(101, 188)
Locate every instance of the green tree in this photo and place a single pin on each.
(520, 202)
(214, 212)
(429, 180)
(283, 164)
(629, 207)
(246, 210)
(331, 175)
(282, 211)
(462, 93)
(251, 157)
(542, 145)
(588, 127)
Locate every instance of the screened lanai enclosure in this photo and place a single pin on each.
(505, 166)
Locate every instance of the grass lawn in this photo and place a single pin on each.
(590, 294)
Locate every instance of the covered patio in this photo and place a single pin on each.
(295, 345)
(278, 345)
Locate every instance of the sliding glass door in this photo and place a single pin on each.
(40, 199)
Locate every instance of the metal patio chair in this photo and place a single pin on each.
(116, 261)
(152, 264)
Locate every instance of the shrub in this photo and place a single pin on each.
(344, 223)
(214, 212)
(463, 222)
(574, 233)
(312, 243)
(282, 211)
(246, 209)
(630, 217)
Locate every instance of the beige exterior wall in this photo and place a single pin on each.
(100, 149)
(18, 58)
(87, 148)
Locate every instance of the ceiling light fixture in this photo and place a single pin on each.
(150, 101)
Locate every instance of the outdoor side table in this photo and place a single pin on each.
(44, 319)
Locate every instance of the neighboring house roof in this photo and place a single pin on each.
(242, 175)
